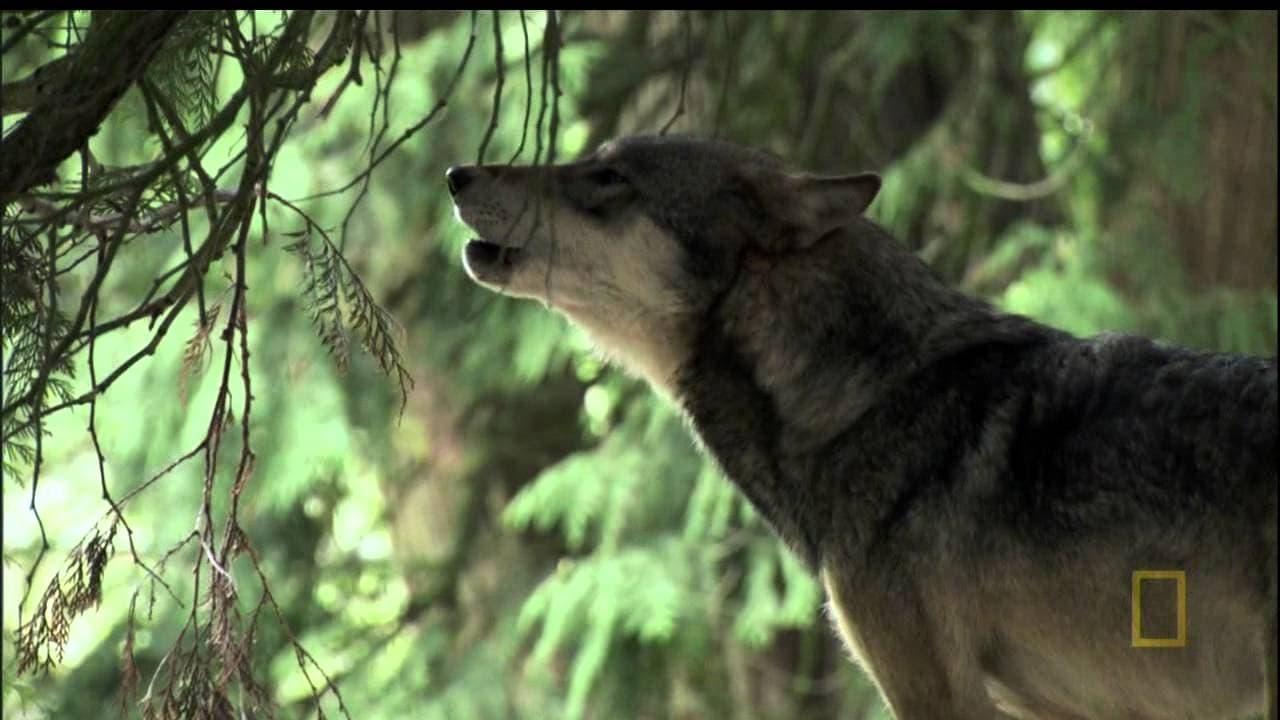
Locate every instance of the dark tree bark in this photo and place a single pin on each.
(116, 52)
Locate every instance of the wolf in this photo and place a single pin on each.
(979, 494)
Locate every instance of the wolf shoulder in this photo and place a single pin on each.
(1192, 394)
(1165, 422)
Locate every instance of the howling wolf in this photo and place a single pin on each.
(984, 498)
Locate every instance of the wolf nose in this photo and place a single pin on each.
(458, 178)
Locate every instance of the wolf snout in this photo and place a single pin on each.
(459, 177)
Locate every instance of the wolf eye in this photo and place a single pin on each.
(607, 177)
(601, 192)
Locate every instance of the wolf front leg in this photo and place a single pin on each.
(891, 638)
(1272, 645)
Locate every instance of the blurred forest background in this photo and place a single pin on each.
(324, 475)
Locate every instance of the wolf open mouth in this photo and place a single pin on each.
(491, 261)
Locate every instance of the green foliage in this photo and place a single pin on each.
(1065, 271)
(644, 575)
(185, 71)
(764, 611)
(338, 298)
(642, 592)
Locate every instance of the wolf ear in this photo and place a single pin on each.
(802, 208)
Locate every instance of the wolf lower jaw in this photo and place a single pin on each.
(490, 263)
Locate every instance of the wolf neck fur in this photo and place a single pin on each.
(779, 370)
(651, 345)
(828, 330)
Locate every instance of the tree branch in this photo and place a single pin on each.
(115, 53)
(45, 212)
(21, 96)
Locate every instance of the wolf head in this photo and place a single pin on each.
(637, 240)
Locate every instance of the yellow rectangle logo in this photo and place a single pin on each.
(1180, 640)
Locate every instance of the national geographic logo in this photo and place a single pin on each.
(1160, 607)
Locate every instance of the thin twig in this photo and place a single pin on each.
(412, 129)
(97, 449)
(976, 181)
(23, 31)
(497, 90)
(722, 103)
(528, 93)
(551, 46)
(46, 212)
(684, 73)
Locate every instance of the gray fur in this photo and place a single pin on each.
(974, 489)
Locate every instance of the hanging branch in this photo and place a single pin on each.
(528, 92)
(99, 74)
(412, 129)
(551, 42)
(498, 63)
(109, 208)
(684, 72)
